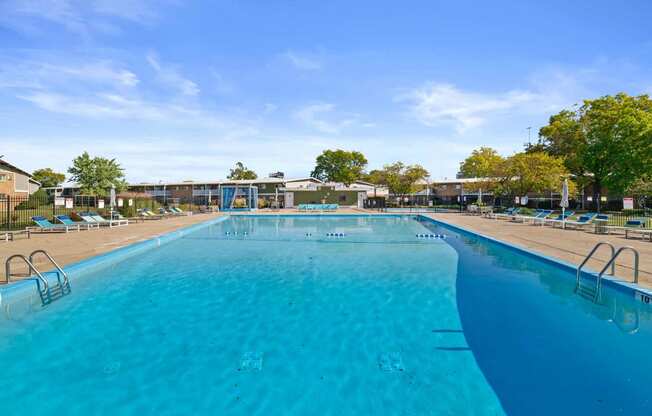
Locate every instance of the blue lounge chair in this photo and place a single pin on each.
(537, 218)
(509, 213)
(560, 218)
(630, 225)
(583, 220)
(66, 220)
(43, 225)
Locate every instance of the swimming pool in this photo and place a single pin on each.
(269, 315)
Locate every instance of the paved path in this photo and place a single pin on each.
(569, 245)
(72, 247)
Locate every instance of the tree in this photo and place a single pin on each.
(401, 179)
(240, 172)
(339, 166)
(606, 142)
(48, 178)
(97, 175)
(536, 172)
(482, 163)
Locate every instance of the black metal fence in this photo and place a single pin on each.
(621, 217)
(16, 212)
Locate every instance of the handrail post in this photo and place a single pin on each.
(32, 268)
(66, 281)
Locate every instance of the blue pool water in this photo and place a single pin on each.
(282, 319)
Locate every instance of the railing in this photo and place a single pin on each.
(590, 255)
(60, 272)
(40, 279)
(612, 263)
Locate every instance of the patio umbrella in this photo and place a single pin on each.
(564, 202)
(112, 203)
(480, 197)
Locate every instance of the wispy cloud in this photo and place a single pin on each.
(302, 61)
(83, 17)
(321, 117)
(170, 76)
(436, 104)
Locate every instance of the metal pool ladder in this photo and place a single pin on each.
(593, 292)
(47, 292)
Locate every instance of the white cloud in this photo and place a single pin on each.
(83, 17)
(321, 117)
(302, 61)
(436, 104)
(171, 77)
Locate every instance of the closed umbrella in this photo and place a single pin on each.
(564, 202)
(112, 202)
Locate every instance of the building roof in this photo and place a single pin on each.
(9, 166)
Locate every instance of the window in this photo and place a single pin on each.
(444, 187)
(458, 186)
(262, 186)
(4, 177)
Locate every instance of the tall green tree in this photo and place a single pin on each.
(482, 163)
(401, 179)
(339, 166)
(241, 172)
(48, 177)
(536, 172)
(606, 142)
(97, 175)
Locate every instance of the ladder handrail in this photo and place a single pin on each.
(40, 277)
(66, 282)
(588, 257)
(612, 263)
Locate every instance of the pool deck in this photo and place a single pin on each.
(67, 248)
(567, 245)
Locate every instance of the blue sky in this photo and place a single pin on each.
(181, 90)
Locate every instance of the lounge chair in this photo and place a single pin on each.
(583, 220)
(179, 211)
(146, 214)
(561, 218)
(538, 217)
(630, 225)
(95, 218)
(43, 225)
(509, 213)
(111, 223)
(66, 220)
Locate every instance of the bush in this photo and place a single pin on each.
(35, 200)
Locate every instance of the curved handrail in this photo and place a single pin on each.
(588, 257)
(612, 263)
(66, 282)
(31, 268)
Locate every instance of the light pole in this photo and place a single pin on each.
(529, 134)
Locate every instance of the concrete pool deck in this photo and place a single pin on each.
(569, 245)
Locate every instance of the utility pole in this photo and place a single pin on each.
(529, 136)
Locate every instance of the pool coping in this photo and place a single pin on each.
(612, 281)
(27, 288)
